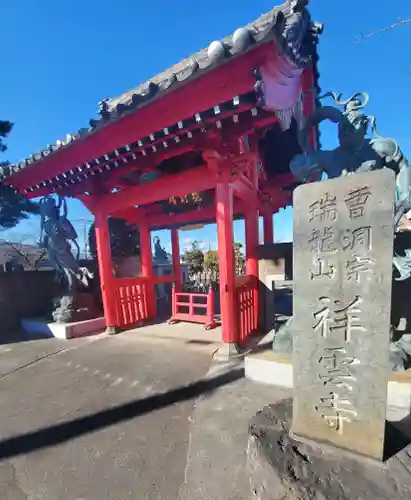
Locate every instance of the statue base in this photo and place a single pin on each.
(42, 327)
(284, 467)
(70, 309)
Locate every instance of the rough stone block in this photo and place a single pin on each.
(308, 471)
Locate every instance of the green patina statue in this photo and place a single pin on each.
(57, 236)
(360, 149)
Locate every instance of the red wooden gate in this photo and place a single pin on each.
(131, 301)
(193, 308)
(246, 292)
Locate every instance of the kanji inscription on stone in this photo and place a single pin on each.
(343, 250)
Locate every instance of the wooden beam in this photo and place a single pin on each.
(182, 219)
(243, 189)
(88, 202)
(204, 215)
(215, 86)
(189, 181)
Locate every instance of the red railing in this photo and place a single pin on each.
(246, 291)
(193, 308)
(131, 301)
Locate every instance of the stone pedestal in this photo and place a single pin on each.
(41, 327)
(284, 468)
(80, 307)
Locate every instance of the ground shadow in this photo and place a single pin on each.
(16, 336)
(63, 432)
(200, 342)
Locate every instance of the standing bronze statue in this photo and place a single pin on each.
(57, 236)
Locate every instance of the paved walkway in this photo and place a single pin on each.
(121, 418)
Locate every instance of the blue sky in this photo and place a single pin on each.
(60, 57)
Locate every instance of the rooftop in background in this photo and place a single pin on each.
(30, 257)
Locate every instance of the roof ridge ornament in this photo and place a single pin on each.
(103, 109)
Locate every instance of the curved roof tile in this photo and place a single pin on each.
(294, 33)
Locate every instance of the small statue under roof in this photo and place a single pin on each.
(160, 255)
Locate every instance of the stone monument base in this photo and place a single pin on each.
(283, 467)
(36, 327)
(269, 367)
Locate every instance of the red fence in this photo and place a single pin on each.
(246, 291)
(193, 308)
(131, 301)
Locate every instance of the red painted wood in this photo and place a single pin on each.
(88, 202)
(246, 292)
(164, 221)
(224, 215)
(175, 246)
(130, 300)
(190, 217)
(189, 181)
(251, 239)
(309, 101)
(268, 228)
(228, 80)
(147, 268)
(105, 268)
(243, 189)
(198, 312)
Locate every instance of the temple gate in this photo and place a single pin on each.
(210, 139)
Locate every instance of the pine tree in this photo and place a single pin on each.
(13, 206)
(194, 258)
(124, 239)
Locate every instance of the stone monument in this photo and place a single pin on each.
(332, 440)
(358, 152)
(343, 247)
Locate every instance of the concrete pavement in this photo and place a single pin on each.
(124, 417)
(137, 451)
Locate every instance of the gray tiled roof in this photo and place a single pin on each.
(295, 35)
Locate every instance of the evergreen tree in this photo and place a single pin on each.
(13, 206)
(194, 258)
(124, 239)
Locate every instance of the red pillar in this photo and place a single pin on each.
(175, 246)
(268, 226)
(251, 240)
(106, 272)
(147, 267)
(224, 207)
